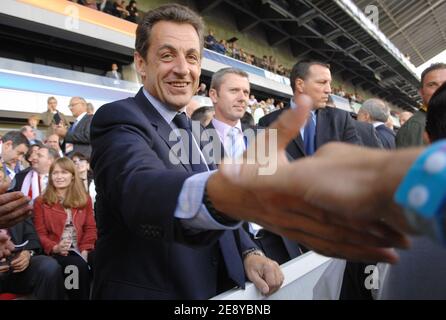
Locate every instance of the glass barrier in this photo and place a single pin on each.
(42, 70)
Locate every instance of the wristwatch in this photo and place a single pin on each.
(252, 251)
(31, 253)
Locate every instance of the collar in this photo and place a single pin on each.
(223, 128)
(377, 123)
(79, 117)
(165, 112)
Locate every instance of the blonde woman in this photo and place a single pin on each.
(65, 224)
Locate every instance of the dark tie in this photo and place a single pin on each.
(231, 256)
(309, 135)
(183, 122)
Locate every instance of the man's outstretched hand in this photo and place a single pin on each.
(338, 202)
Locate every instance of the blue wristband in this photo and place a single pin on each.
(423, 194)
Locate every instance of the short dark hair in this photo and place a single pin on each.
(37, 144)
(49, 99)
(169, 12)
(300, 70)
(80, 155)
(436, 115)
(432, 67)
(217, 77)
(16, 137)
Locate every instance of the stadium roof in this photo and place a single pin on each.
(334, 31)
(416, 27)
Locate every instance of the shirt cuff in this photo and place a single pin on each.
(190, 208)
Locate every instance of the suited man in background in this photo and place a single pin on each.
(313, 78)
(229, 93)
(367, 134)
(149, 206)
(375, 112)
(113, 73)
(77, 137)
(28, 271)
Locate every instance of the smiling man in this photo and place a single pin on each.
(147, 206)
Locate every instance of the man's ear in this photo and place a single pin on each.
(299, 85)
(213, 95)
(139, 63)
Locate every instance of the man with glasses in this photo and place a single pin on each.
(77, 137)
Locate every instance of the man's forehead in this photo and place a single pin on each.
(318, 71)
(175, 34)
(438, 75)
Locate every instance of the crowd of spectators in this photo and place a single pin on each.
(231, 49)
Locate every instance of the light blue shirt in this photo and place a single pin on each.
(190, 208)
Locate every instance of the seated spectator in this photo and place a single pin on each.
(30, 134)
(90, 108)
(65, 223)
(210, 42)
(13, 146)
(119, 9)
(53, 142)
(33, 121)
(34, 182)
(202, 90)
(133, 12)
(28, 272)
(247, 120)
(252, 100)
(220, 47)
(204, 115)
(82, 164)
(89, 3)
(106, 6)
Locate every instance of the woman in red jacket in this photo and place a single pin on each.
(66, 227)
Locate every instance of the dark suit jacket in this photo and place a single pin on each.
(332, 125)
(23, 231)
(387, 136)
(142, 251)
(18, 179)
(80, 137)
(367, 134)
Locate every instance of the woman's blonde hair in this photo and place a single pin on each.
(76, 196)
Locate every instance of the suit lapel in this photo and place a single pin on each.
(322, 125)
(161, 126)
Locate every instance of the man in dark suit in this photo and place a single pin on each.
(28, 272)
(77, 137)
(152, 206)
(367, 134)
(313, 78)
(375, 111)
(229, 93)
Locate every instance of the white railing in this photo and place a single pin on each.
(310, 276)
